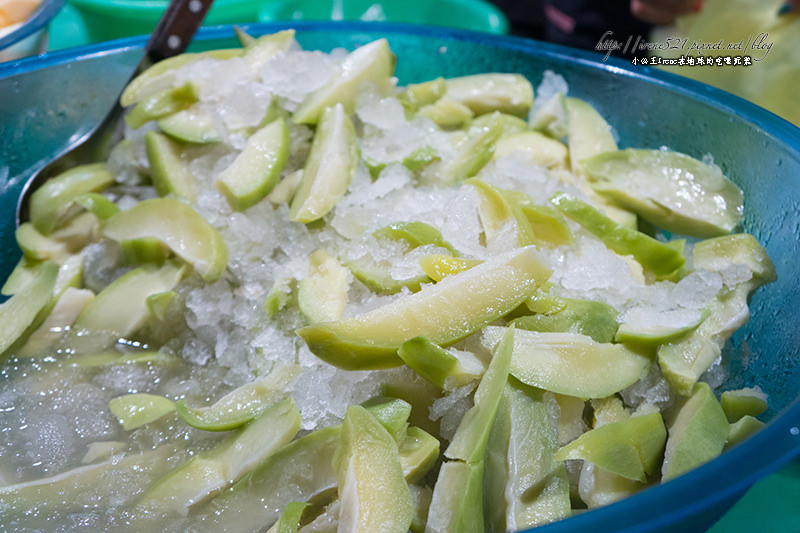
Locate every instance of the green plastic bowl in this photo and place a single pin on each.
(110, 19)
(476, 15)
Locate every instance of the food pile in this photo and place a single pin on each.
(298, 297)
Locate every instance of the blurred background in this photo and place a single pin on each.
(768, 31)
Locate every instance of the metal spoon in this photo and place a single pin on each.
(172, 35)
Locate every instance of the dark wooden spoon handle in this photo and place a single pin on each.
(176, 28)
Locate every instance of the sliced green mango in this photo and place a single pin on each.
(241, 405)
(551, 117)
(19, 313)
(289, 521)
(157, 304)
(51, 202)
(37, 247)
(191, 125)
(447, 113)
(278, 296)
(597, 320)
(743, 402)
(630, 448)
(542, 225)
(598, 487)
(469, 442)
(256, 170)
(135, 410)
(66, 309)
(485, 93)
(684, 361)
(322, 295)
(258, 52)
(209, 472)
(143, 250)
(542, 150)
(372, 63)
(373, 493)
(655, 256)
(444, 369)
(392, 413)
(420, 94)
(524, 485)
(415, 234)
(457, 502)
(285, 189)
(669, 189)
(472, 152)
(494, 209)
(588, 133)
(169, 171)
(24, 272)
(121, 309)
(696, 435)
(329, 168)
(742, 429)
(377, 276)
(97, 204)
(162, 75)
(634, 331)
(510, 124)
(179, 226)
(419, 451)
(111, 357)
(571, 363)
(471, 299)
(161, 104)
(439, 266)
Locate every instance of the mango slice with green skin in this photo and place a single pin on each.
(524, 485)
(597, 320)
(414, 233)
(24, 272)
(472, 152)
(37, 247)
(542, 225)
(161, 104)
(121, 309)
(290, 519)
(416, 95)
(419, 452)
(209, 472)
(192, 125)
(162, 74)
(447, 113)
(259, 51)
(485, 93)
(278, 296)
(439, 266)
(322, 295)
(550, 118)
(51, 202)
(109, 358)
(684, 361)
(457, 502)
(510, 124)
(742, 429)
(169, 172)
(696, 435)
(373, 493)
(442, 368)
(669, 189)
(588, 133)
(542, 150)
(135, 410)
(19, 313)
(494, 209)
(598, 487)
(143, 250)
(743, 402)
(284, 190)
(329, 168)
(241, 405)
(571, 363)
(98, 205)
(469, 442)
(656, 257)
(64, 312)
(472, 299)
(377, 276)
(372, 63)
(630, 448)
(392, 413)
(256, 170)
(179, 226)
(632, 332)
(157, 304)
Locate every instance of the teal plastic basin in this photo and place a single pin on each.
(48, 102)
(477, 15)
